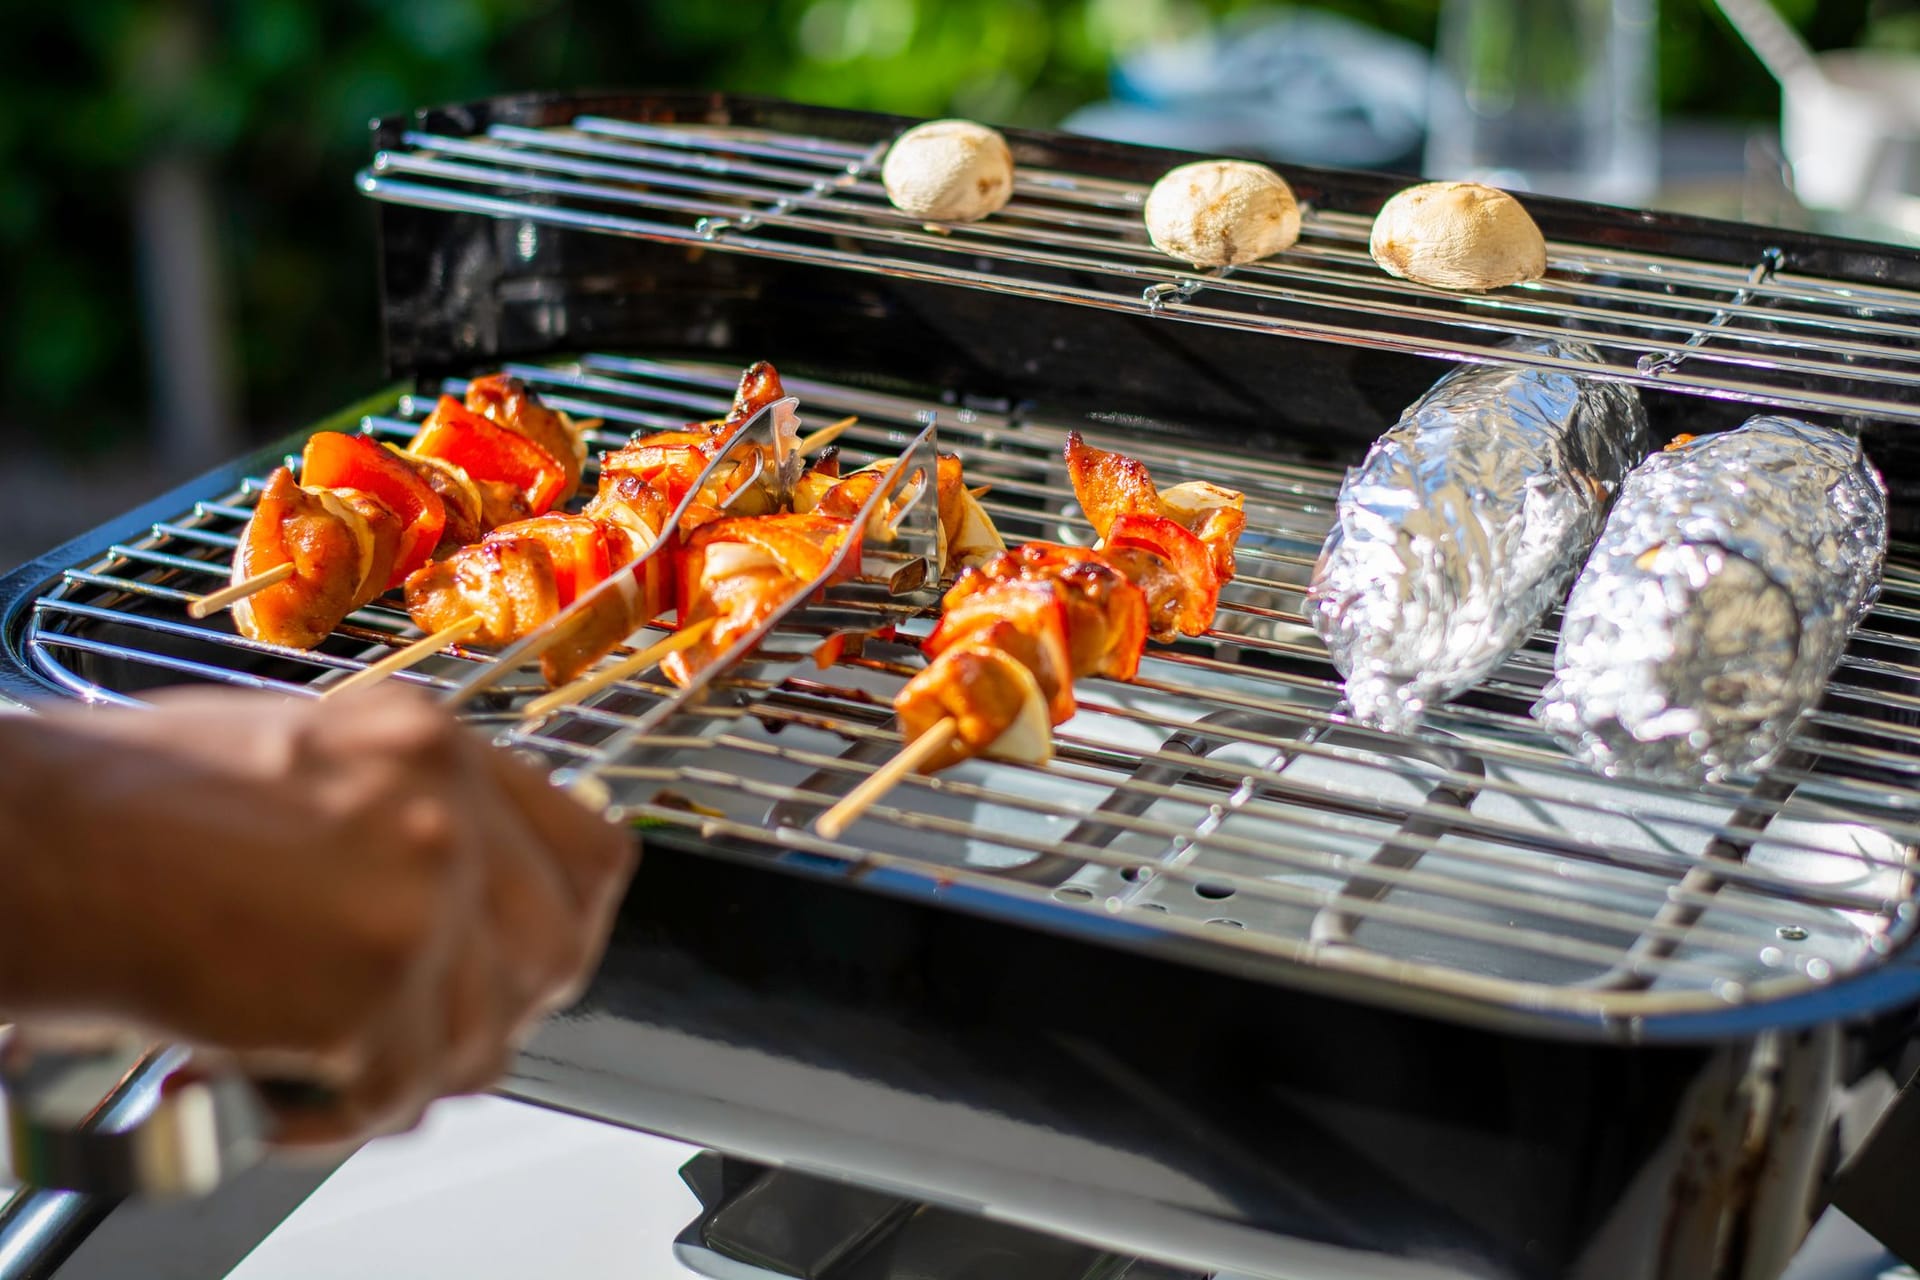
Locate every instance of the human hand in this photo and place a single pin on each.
(357, 893)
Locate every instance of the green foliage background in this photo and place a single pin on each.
(273, 97)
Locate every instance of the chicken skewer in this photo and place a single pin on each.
(497, 458)
(737, 572)
(757, 562)
(1016, 631)
(475, 469)
(365, 515)
(651, 493)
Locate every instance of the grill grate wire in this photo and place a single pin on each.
(1753, 332)
(1221, 798)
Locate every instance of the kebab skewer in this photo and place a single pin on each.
(369, 517)
(520, 577)
(743, 557)
(363, 516)
(1017, 630)
(736, 571)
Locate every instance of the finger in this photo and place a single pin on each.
(596, 857)
(533, 915)
(388, 1095)
(482, 1075)
(479, 1005)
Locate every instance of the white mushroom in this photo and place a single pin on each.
(1458, 235)
(948, 171)
(1214, 213)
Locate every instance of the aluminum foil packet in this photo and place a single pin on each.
(1464, 526)
(1720, 597)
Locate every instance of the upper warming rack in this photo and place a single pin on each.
(1221, 805)
(1749, 331)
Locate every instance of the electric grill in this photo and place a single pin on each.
(1233, 983)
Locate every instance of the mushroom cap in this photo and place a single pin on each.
(948, 171)
(1214, 213)
(1458, 235)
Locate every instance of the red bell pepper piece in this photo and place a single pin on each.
(1190, 559)
(333, 460)
(488, 451)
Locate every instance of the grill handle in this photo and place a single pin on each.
(182, 1131)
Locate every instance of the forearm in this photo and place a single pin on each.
(54, 798)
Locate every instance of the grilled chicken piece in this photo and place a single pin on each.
(1030, 617)
(966, 529)
(577, 546)
(629, 503)
(511, 403)
(1172, 566)
(1048, 611)
(1108, 485)
(515, 589)
(507, 582)
(465, 503)
(501, 503)
(1112, 485)
(996, 704)
(739, 572)
(759, 387)
(1106, 612)
(331, 545)
(600, 623)
(522, 574)
(670, 462)
(1163, 590)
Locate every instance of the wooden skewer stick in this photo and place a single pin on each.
(402, 658)
(825, 436)
(631, 665)
(214, 601)
(884, 779)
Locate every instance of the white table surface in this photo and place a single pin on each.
(488, 1189)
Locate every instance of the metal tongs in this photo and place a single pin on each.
(114, 1115)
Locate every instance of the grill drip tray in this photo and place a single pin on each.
(761, 1223)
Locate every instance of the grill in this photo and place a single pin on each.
(1219, 798)
(1167, 992)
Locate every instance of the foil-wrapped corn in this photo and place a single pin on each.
(1464, 526)
(1718, 601)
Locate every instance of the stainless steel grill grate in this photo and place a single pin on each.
(1221, 798)
(1750, 331)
